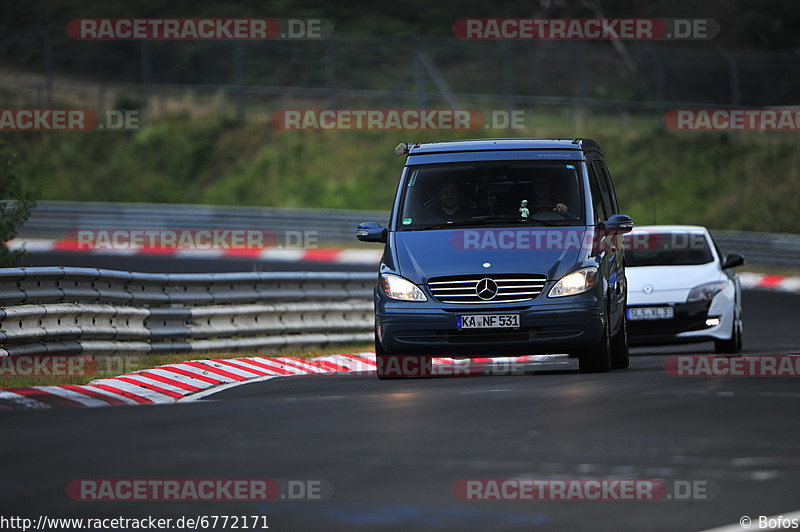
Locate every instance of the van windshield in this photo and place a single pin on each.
(506, 193)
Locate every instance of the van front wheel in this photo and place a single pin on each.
(400, 366)
(620, 357)
(598, 358)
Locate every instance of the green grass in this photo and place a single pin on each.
(743, 181)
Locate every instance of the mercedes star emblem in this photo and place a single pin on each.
(648, 289)
(486, 289)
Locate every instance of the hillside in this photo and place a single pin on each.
(726, 181)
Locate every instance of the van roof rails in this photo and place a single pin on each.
(587, 144)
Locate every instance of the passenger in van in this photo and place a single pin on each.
(450, 202)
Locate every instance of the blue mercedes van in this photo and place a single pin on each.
(501, 247)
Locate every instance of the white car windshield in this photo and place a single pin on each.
(666, 249)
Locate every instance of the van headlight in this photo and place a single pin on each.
(577, 282)
(395, 287)
(706, 292)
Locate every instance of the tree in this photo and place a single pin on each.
(16, 203)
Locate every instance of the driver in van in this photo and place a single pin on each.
(543, 197)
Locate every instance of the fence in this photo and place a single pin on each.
(69, 311)
(51, 219)
(246, 79)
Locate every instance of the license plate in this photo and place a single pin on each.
(651, 313)
(487, 321)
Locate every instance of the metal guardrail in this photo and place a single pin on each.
(769, 249)
(53, 218)
(70, 311)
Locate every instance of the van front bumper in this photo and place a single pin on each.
(552, 328)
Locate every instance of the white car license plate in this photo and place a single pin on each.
(651, 313)
(487, 321)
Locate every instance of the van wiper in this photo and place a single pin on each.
(441, 225)
(480, 220)
(513, 218)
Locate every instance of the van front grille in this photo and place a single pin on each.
(487, 289)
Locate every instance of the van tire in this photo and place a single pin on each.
(620, 355)
(598, 358)
(381, 361)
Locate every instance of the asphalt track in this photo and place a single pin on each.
(394, 450)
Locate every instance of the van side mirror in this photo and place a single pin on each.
(618, 224)
(371, 232)
(732, 260)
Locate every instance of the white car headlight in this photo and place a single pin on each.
(706, 292)
(577, 282)
(395, 287)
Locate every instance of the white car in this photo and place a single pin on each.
(681, 289)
